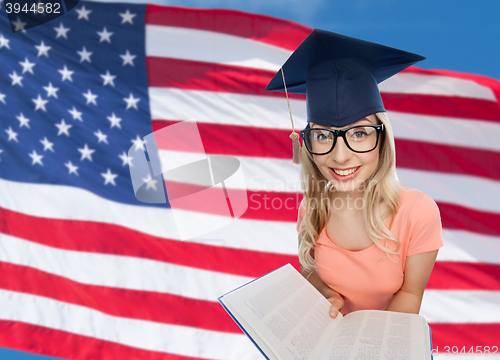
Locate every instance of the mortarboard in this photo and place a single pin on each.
(339, 75)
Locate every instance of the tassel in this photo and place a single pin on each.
(294, 135)
(296, 147)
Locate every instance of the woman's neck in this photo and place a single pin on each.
(347, 201)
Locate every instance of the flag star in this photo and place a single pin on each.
(128, 58)
(47, 145)
(76, 114)
(108, 78)
(127, 17)
(86, 153)
(63, 128)
(1, 151)
(66, 74)
(16, 79)
(40, 103)
(12, 134)
(150, 183)
(4, 42)
(2, 98)
(72, 168)
(101, 137)
(105, 35)
(83, 13)
(139, 143)
(115, 121)
(37, 159)
(61, 31)
(19, 25)
(85, 55)
(23, 121)
(27, 66)
(90, 97)
(131, 101)
(43, 50)
(109, 177)
(127, 160)
(51, 91)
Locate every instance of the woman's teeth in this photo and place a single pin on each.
(345, 172)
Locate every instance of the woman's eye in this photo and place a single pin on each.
(359, 134)
(321, 136)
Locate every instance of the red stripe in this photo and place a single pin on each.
(40, 340)
(273, 31)
(102, 238)
(203, 76)
(265, 142)
(461, 335)
(418, 155)
(410, 154)
(134, 304)
(456, 217)
(448, 106)
(50, 342)
(450, 275)
(261, 205)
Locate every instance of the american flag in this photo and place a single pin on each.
(89, 272)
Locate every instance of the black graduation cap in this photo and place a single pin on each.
(339, 75)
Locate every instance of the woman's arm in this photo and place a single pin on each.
(331, 295)
(418, 269)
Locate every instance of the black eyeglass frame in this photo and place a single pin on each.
(336, 133)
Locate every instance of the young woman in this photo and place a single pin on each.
(365, 240)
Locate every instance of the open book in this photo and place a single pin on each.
(287, 318)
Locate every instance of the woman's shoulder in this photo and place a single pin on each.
(421, 217)
(417, 203)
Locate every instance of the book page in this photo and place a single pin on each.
(379, 335)
(286, 311)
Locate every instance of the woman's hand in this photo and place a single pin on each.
(337, 302)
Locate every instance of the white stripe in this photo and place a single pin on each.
(260, 173)
(446, 131)
(461, 306)
(409, 83)
(119, 271)
(271, 112)
(225, 108)
(469, 191)
(208, 46)
(467, 246)
(58, 202)
(146, 335)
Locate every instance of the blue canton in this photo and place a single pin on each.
(74, 98)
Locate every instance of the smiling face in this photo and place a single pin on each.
(337, 166)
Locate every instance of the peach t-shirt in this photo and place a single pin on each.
(367, 279)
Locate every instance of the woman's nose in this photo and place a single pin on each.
(341, 153)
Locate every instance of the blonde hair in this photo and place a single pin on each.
(381, 185)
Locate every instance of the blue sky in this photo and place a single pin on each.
(454, 35)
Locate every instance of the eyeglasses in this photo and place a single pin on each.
(360, 139)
